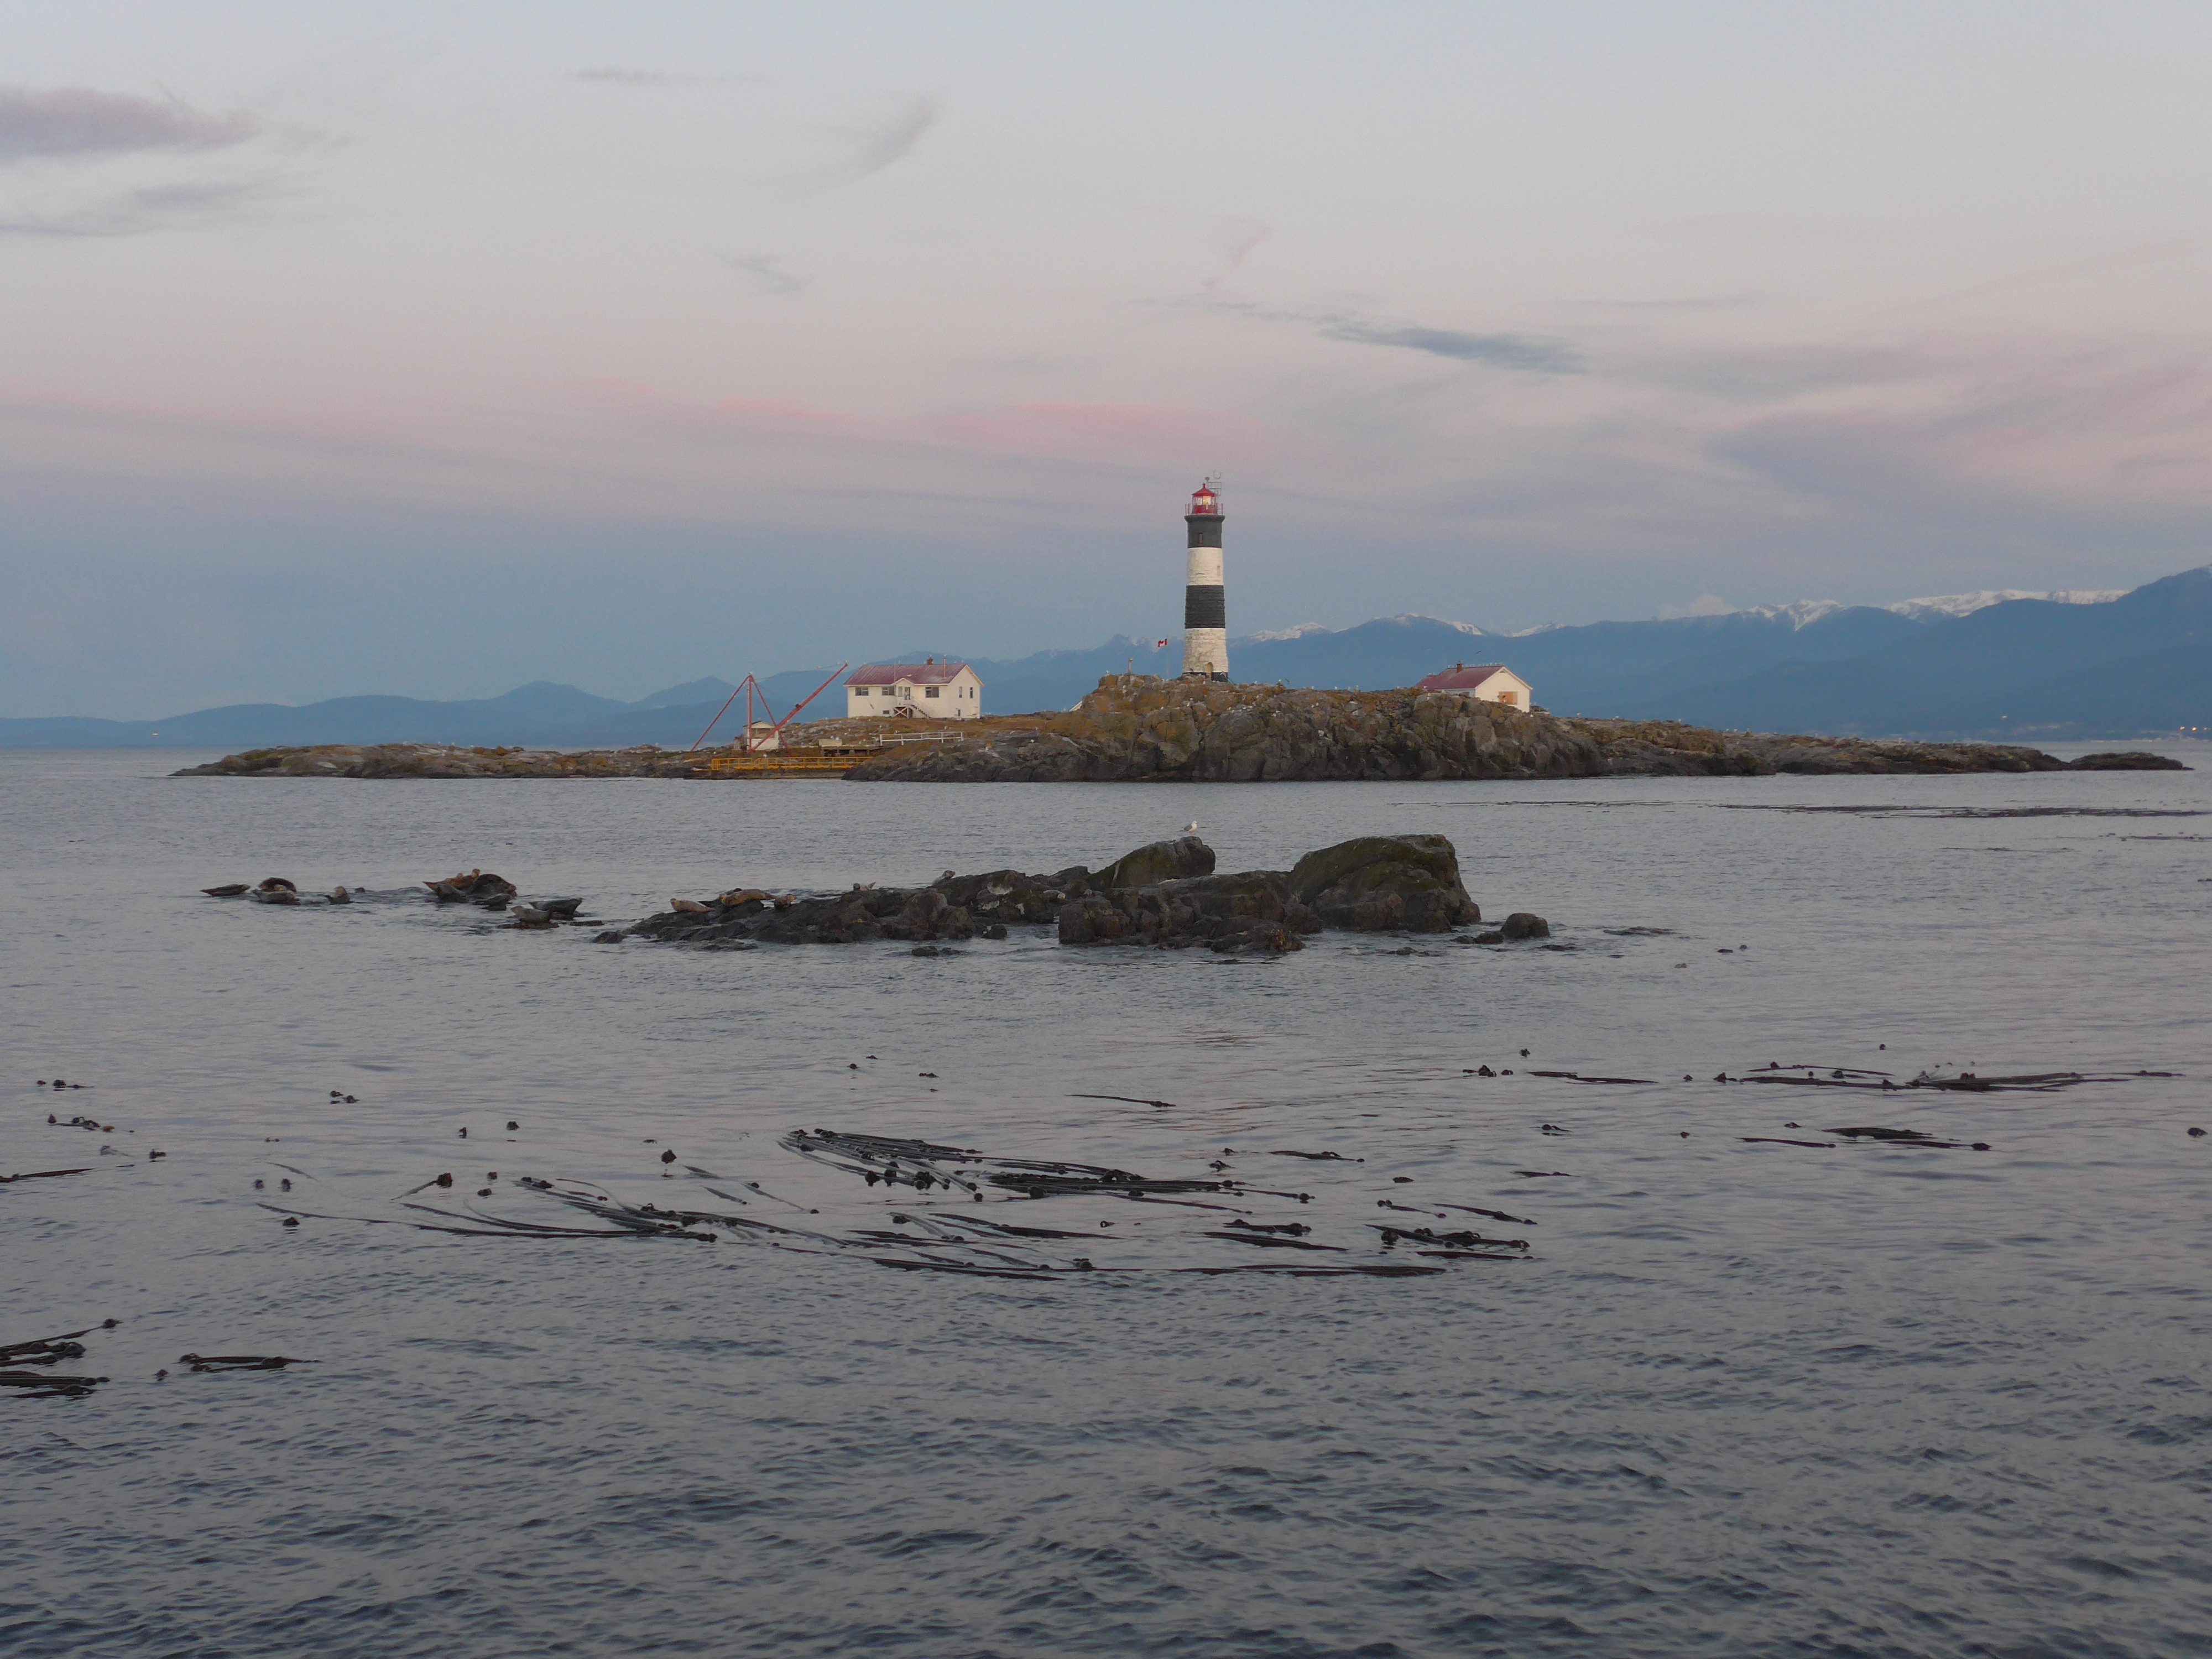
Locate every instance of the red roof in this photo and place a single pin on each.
(913, 673)
(1467, 676)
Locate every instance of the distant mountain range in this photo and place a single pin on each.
(2035, 667)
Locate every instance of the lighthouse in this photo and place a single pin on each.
(1205, 605)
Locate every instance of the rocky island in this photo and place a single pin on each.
(1136, 728)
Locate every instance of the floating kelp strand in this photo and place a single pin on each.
(473, 1232)
(1269, 1241)
(1316, 1270)
(43, 1175)
(1010, 1229)
(1134, 1100)
(964, 1268)
(1494, 1215)
(241, 1362)
(46, 1350)
(1899, 1137)
(1458, 1241)
(1110, 1182)
(1812, 1082)
(45, 1385)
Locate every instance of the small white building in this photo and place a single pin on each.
(1486, 682)
(927, 690)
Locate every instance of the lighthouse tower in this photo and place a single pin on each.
(1205, 607)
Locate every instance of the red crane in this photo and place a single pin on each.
(749, 686)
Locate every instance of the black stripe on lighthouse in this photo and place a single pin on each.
(1205, 528)
(1205, 607)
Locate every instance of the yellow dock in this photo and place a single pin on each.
(784, 763)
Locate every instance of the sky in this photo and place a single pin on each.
(431, 348)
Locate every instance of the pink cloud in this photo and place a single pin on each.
(1111, 433)
(753, 414)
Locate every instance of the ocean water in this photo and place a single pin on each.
(1740, 1397)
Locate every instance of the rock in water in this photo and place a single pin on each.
(1524, 924)
(1378, 882)
(2133, 759)
(1167, 894)
(1160, 860)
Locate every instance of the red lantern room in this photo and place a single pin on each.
(1205, 502)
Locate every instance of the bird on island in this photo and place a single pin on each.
(1191, 829)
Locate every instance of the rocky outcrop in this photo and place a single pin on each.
(2133, 759)
(954, 907)
(441, 760)
(1381, 882)
(1165, 894)
(1135, 728)
(1160, 860)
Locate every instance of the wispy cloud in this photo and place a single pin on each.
(152, 208)
(661, 79)
(1536, 353)
(765, 274)
(862, 148)
(49, 122)
(636, 77)
(1533, 352)
(1236, 236)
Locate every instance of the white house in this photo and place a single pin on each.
(930, 690)
(1486, 682)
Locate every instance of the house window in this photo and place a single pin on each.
(859, 690)
(929, 691)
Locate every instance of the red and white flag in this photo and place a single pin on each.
(1160, 645)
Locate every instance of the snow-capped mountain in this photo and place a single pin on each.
(1803, 613)
(1965, 605)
